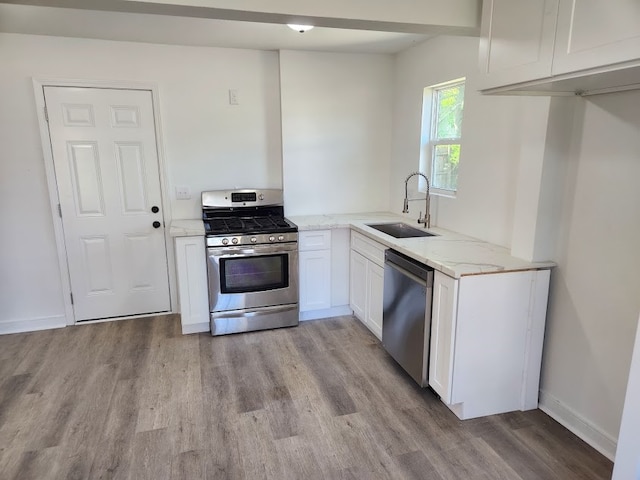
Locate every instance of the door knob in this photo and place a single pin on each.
(155, 209)
(156, 224)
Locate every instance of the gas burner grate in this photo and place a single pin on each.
(234, 225)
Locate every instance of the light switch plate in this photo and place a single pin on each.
(183, 193)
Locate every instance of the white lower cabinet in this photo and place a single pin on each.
(375, 285)
(315, 280)
(358, 284)
(366, 281)
(315, 269)
(486, 341)
(443, 325)
(191, 269)
(322, 278)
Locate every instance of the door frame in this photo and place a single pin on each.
(38, 86)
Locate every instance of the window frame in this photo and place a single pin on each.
(428, 143)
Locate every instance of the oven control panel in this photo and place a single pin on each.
(217, 241)
(241, 198)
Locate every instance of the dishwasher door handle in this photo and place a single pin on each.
(404, 272)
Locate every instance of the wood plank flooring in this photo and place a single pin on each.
(136, 399)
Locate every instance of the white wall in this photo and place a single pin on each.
(627, 464)
(490, 141)
(208, 143)
(336, 128)
(545, 143)
(594, 301)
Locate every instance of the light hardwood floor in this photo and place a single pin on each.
(136, 399)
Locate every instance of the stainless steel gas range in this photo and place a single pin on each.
(252, 261)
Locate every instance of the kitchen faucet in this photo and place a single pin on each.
(426, 220)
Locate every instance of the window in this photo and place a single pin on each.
(442, 109)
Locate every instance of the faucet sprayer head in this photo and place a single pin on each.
(426, 220)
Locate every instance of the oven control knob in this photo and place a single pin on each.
(254, 239)
(280, 238)
(272, 238)
(234, 240)
(261, 197)
(225, 241)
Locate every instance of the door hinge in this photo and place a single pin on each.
(60, 210)
(46, 114)
(71, 295)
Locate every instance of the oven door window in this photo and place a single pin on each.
(254, 274)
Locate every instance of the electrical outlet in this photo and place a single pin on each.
(183, 193)
(233, 97)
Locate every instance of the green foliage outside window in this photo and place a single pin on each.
(447, 131)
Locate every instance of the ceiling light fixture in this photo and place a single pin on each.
(299, 28)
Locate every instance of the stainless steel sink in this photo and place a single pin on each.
(400, 230)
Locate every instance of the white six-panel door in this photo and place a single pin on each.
(106, 165)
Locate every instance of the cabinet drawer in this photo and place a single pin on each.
(314, 240)
(371, 249)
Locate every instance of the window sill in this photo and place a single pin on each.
(441, 193)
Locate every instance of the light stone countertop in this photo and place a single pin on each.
(451, 253)
(186, 228)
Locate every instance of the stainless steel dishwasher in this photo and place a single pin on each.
(406, 317)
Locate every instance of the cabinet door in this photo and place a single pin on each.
(516, 41)
(594, 34)
(443, 327)
(315, 280)
(358, 285)
(375, 285)
(191, 269)
(340, 252)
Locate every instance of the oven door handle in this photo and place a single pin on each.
(253, 250)
(256, 312)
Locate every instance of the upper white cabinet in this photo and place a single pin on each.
(559, 46)
(595, 33)
(516, 42)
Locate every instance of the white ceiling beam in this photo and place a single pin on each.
(455, 17)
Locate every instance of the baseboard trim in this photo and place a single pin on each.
(577, 424)
(32, 324)
(325, 313)
(196, 328)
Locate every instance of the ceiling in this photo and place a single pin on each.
(193, 31)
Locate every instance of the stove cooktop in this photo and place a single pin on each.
(247, 225)
(244, 212)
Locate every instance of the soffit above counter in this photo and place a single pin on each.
(454, 17)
